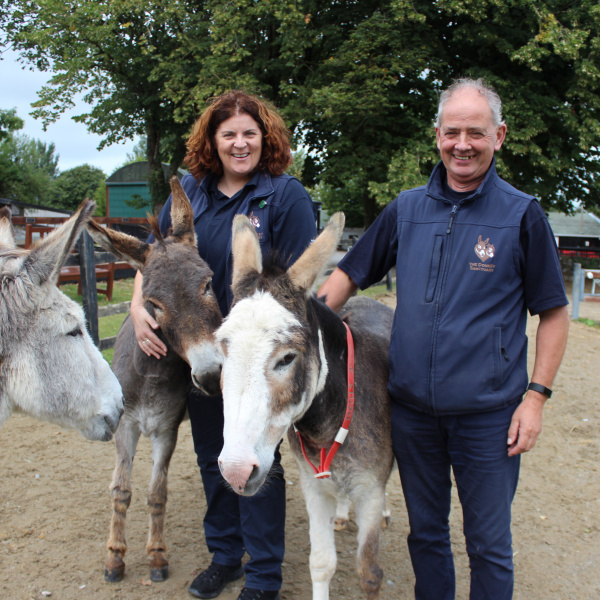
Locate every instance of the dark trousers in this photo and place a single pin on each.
(474, 447)
(234, 524)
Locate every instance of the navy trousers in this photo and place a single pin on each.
(474, 447)
(236, 524)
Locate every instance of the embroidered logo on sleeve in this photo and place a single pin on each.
(484, 251)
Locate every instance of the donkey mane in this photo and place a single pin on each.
(155, 229)
(17, 302)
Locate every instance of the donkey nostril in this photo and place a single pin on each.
(253, 475)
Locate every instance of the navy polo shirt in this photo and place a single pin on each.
(213, 232)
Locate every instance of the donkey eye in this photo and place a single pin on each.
(75, 332)
(155, 307)
(288, 359)
(208, 290)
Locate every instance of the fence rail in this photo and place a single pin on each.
(86, 258)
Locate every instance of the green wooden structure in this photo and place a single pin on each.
(127, 183)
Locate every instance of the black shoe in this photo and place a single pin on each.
(210, 583)
(250, 594)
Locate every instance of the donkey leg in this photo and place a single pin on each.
(163, 446)
(321, 513)
(369, 509)
(126, 439)
(342, 513)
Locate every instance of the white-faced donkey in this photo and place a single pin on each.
(177, 292)
(49, 365)
(288, 366)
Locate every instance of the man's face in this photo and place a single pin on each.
(467, 139)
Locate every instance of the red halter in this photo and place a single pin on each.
(322, 471)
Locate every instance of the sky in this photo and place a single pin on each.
(74, 145)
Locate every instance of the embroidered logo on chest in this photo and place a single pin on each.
(254, 220)
(484, 251)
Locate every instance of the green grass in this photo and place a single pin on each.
(122, 291)
(590, 323)
(107, 326)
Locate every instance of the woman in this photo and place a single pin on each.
(237, 153)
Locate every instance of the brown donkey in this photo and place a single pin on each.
(288, 367)
(177, 292)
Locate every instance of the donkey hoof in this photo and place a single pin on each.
(160, 574)
(115, 574)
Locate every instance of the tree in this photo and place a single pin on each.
(9, 173)
(138, 153)
(27, 167)
(73, 186)
(369, 112)
(100, 199)
(357, 80)
(117, 53)
(9, 122)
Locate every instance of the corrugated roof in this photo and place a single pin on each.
(137, 172)
(581, 224)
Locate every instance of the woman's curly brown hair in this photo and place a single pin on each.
(202, 155)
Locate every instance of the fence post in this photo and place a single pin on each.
(577, 290)
(87, 266)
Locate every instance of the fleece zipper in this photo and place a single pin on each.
(438, 305)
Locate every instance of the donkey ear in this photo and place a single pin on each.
(247, 257)
(126, 247)
(308, 267)
(7, 238)
(49, 255)
(182, 213)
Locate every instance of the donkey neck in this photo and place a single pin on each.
(322, 420)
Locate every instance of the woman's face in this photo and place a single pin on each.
(239, 145)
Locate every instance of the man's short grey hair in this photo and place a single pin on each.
(488, 92)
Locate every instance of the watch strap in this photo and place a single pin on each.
(542, 389)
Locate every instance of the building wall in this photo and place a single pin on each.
(119, 193)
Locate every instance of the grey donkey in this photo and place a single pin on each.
(49, 365)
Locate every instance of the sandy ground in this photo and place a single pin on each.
(55, 509)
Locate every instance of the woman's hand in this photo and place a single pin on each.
(144, 324)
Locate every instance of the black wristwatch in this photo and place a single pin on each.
(542, 389)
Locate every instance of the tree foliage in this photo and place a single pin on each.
(73, 186)
(371, 105)
(117, 54)
(357, 80)
(27, 167)
(9, 122)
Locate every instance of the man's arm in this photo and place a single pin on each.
(337, 288)
(551, 342)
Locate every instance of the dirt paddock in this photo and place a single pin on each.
(55, 509)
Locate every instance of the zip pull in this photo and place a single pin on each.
(452, 215)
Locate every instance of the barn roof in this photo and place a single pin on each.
(137, 172)
(581, 224)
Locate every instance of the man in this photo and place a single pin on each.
(472, 255)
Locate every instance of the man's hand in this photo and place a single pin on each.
(526, 424)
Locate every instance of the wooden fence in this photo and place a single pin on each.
(86, 258)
